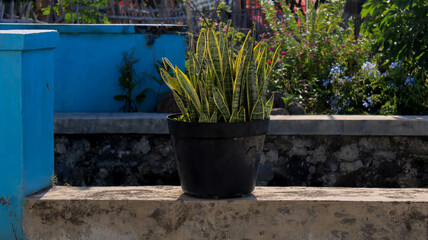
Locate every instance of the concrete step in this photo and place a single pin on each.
(164, 212)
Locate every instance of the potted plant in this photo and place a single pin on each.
(219, 135)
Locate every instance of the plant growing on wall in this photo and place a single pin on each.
(128, 80)
(156, 78)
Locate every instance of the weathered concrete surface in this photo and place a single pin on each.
(155, 123)
(94, 123)
(270, 213)
(369, 125)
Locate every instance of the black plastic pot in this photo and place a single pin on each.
(218, 159)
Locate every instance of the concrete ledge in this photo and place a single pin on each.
(155, 123)
(94, 123)
(367, 125)
(20, 40)
(164, 212)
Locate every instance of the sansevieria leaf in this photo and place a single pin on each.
(252, 82)
(238, 65)
(257, 112)
(228, 81)
(180, 103)
(204, 100)
(222, 85)
(214, 54)
(200, 47)
(241, 115)
(234, 117)
(220, 102)
(189, 91)
(213, 118)
(171, 82)
(268, 106)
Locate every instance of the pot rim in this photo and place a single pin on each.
(216, 130)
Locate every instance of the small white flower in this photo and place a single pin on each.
(271, 2)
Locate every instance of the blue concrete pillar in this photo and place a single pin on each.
(26, 121)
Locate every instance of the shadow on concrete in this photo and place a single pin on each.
(187, 198)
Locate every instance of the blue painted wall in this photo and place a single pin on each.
(88, 58)
(26, 121)
(11, 146)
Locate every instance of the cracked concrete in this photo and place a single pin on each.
(164, 212)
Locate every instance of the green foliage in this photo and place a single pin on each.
(221, 85)
(158, 65)
(311, 45)
(128, 81)
(88, 12)
(401, 31)
(328, 70)
(400, 28)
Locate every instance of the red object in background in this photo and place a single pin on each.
(255, 16)
(254, 4)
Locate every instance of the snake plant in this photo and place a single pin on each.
(222, 85)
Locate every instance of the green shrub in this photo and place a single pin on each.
(330, 71)
(401, 31)
(89, 13)
(400, 28)
(313, 47)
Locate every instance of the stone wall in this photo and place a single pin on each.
(288, 160)
(345, 161)
(115, 160)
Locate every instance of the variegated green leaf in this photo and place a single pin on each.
(239, 65)
(167, 64)
(234, 117)
(257, 112)
(213, 118)
(203, 118)
(171, 82)
(192, 70)
(180, 103)
(220, 102)
(252, 82)
(215, 56)
(228, 83)
(189, 90)
(204, 99)
(241, 115)
(210, 88)
(193, 114)
(268, 106)
(201, 47)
